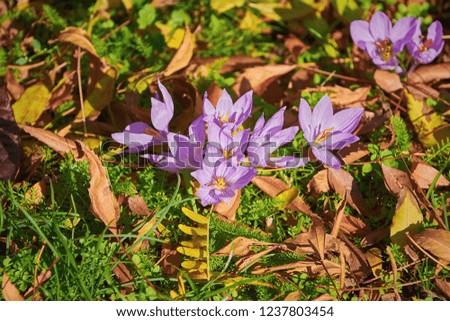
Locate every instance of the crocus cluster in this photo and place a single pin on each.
(222, 155)
(383, 41)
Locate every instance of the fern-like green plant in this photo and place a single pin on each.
(402, 135)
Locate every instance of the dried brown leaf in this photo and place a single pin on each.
(137, 205)
(353, 152)
(317, 238)
(103, 203)
(9, 138)
(14, 88)
(240, 246)
(424, 175)
(437, 242)
(77, 37)
(229, 210)
(9, 290)
(313, 269)
(395, 179)
(293, 296)
(375, 258)
(344, 184)
(430, 73)
(444, 287)
(319, 183)
(260, 78)
(388, 81)
(252, 258)
(375, 236)
(184, 54)
(170, 259)
(273, 186)
(343, 96)
(59, 144)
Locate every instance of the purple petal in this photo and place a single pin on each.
(288, 162)
(203, 176)
(346, 120)
(326, 157)
(224, 105)
(322, 114)
(360, 33)
(208, 108)
(402, 33)
(275, 123)
(197, 130)
(257, 130)
(242, 176)
(380, 26)
(339, 140)
(162, 112)
(243, 106)
(283, 137)
(134, 137)
(207, 196)
(305, 119)
(221, 170)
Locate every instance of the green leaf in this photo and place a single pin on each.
(146, 16)
(407, 217)
(31, 104)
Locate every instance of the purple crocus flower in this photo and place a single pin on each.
(224, 145)
(221, 182)
(226, 113)
(138, 136)
(324, 131)
(267, 137)
(185, 152)
(425, 49)
(382, 41)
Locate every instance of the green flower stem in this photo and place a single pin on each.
(187, 182)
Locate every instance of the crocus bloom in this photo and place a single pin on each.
(224, 145)
(226, 113)
(221, 182)
(425, 49)
(138, 136)
(324, 131)
(267, 137)
(185, 152)
(382, 41)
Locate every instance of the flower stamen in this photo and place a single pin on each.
(323, 135)
(384, 49)
(220, 183)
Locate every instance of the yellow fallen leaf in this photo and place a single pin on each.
(77, 37)
(173, 38)
(193, 230)
(407, 217)
(31, 104)
(195, 265)
(184, 54)
(285, 198)
(193, 252)
(225, 5)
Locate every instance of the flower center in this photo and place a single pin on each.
(227, 153)
(384, 49)
(424, 46)
(323, 135)
(220, 183)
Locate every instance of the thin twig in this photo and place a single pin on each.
(80, 89)
(394, 271)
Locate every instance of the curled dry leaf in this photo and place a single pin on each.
(9, 138)
(317, 238)
(273, 186)
(259, 78)
(170, 259)
(319, 183)
(353, 152)
(395, 179)
(59, 144)
(344, 184)
(103, 203)
(430, 73)
(184, 54)
(388, 81)
(137, 205)
(425, 174)
(9, 290)
(240, 246)
(342, 96)
(313, 269)
(444, 287)
(77, 37)
(437, 242)
(229, 210)
(14, 88)
(407, 217)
